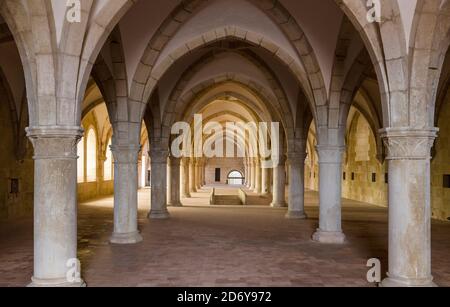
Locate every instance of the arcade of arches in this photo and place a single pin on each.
(87, 112)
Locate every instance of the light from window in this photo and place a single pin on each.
(80, 162)
(108, 166)
(91, 156)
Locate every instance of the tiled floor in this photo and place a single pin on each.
(220, 246)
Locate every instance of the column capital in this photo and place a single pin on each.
(159, 156)
(55, 142)
(330, 154)
(125, 154)
(409, 144)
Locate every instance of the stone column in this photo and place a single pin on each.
(197, 175)
(169, 182)
(247, 173)
(409, 155)
(125, 195)
(200, 174)
(185, 178)
(258, 179)
(279, 184)
(252, 175)
(192, 187)
(159, 185)
(330, 176)
(174, 199)
(55, 204)
(296, 162)
(264, 181)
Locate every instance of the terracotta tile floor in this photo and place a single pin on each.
(203, 246)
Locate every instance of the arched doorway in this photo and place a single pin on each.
(235, 178)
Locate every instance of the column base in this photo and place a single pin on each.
(55, 283)
(296, 215)
(328, 237)
(175, 205)
(126, 238)
(159, 215)
(278, 205)
(397, 282)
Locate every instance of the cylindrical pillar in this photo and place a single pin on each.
(55, 205)
(174, 183)
(159, 185)
(125, 195)
(258, 179)
(185, 178)
(192, 187)
(409, 155)
(279, 184)
(296, 162)
(330, 169)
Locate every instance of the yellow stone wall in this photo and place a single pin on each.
(21, 204)
(360, 159)
(440, 166)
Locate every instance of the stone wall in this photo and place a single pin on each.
(226, 165)
(11, 169)
(365, 176)
(440, 166)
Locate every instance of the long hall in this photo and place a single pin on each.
(224, 142)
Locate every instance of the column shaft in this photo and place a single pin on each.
(264, 181)
(296, 186)
(253, 175)
(330, 169)
(279, 185)
(409, 207)
(174, 183)
(185, 178)
(159, 185)
(192, 187)
(125, 195)
(55, 205)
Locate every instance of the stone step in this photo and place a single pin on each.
(263, 201)
(227, 200)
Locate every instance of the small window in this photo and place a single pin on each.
(447, 181)
(374, 177)
(218, 175)
(386, 178)
(14, 189)
(353, 176)
(344, 176)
